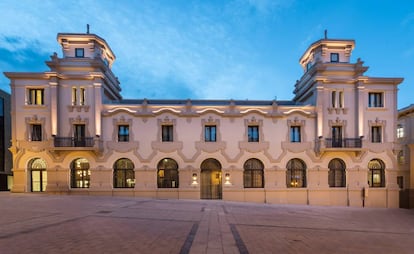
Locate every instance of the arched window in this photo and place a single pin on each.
(336, 175)
(124, 175)
(253, 174)
(376, 173)
(296, 174)
(38, 174)
(80, 173)
(167, 176)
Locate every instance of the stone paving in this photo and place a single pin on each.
(42, 223)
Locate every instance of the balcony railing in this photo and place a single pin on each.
(343, 143)
(74, 142)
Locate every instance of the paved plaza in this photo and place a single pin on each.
(41, 223)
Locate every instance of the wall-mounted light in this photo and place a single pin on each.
(194, 177)
(227, 179)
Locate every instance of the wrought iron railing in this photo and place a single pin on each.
(343, 143)
(74, 142)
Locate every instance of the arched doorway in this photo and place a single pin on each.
(38, 175)
(210, 185)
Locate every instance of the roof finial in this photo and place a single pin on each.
(87, 28)
(326, 34)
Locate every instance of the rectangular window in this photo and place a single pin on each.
(167, 133)
(341, 99)
(79, 52)
(334, 57)
(295, 134)
(376, 134)
(79, 135)
(308, 66)
(82, 96)
(35, 96)
(36, 132)
(253, 133)
(123, 133)
(74, 96)
(400, 182)
(400, 131)
(375, 100)
(210, 133)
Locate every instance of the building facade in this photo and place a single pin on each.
(5, 137)
(405, 137)
(332, 144)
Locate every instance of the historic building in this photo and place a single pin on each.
(332, 144)
(405, 156)
(5, 136)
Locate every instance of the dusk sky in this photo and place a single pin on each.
(240, 49)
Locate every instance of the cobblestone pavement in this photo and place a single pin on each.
(41, 223)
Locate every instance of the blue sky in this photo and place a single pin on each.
(237, 49)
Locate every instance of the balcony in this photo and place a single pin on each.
(343, 143)
(77, 144)
(74, 142)
(339, 145)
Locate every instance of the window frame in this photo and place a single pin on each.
(376, 173)
(80, 174)
(167, 133)
(376, 134)
(79, 50)
(337, 173)
(253, 134)
(375, 99)
(123, 133)
(123, 168)
(210, 133)
(334, 57)
(167, 174)
(296, 173)
(36, 132)
(400, 131)
(253, 174)
(35, 96)
(295, 134)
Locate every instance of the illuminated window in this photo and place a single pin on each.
(375, 100)
(210, 133)
(253, 174)
(296, 174)
(74, 96)
(80, 173)
(376, 173)
(123, 133)
(35, 96)
(167, 133)
(253, 133)
(400, 157)
(336, 174)
(295, 134)
(79, 52)
(36, 132)
(167, 174)
(334, 57)
(124, 175)
(37, 168)
(400, 131)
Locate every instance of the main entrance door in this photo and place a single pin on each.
(211, 187)
(38, 175)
